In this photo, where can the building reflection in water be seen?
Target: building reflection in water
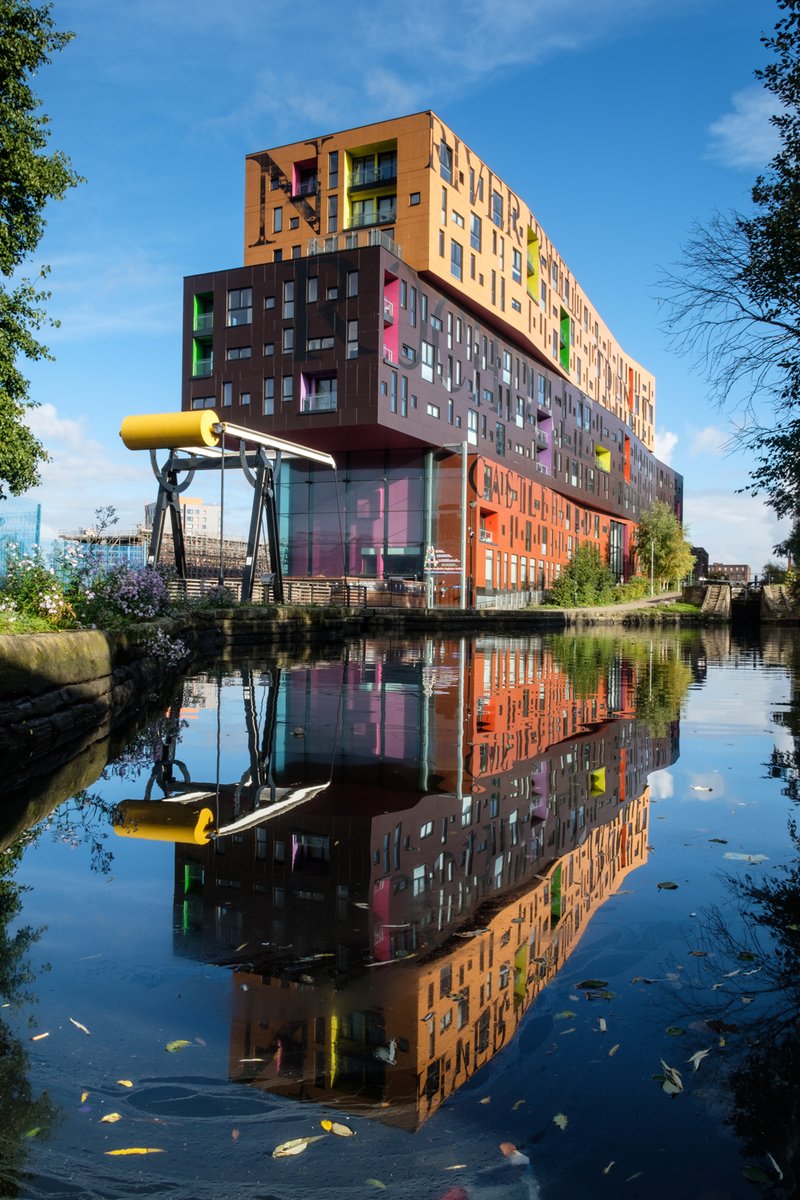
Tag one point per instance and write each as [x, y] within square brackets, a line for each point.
[412, 854]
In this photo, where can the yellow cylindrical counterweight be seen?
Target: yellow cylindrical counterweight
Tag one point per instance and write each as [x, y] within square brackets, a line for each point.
[166, 431]
[160, 821]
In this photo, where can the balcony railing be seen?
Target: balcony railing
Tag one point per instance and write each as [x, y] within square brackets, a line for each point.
[384, 216]
[306, 187]
[325, 402]
[541, 468]
[484, 536]
[202, 366]
[352, 241]
[387, 354]
[540, 437]
[366, 175]
[204, 322]
[388, 311]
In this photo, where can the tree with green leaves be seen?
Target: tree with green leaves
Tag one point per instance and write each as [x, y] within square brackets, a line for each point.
[733, 300]
[661, 541]
[29, 177]
[585, 580]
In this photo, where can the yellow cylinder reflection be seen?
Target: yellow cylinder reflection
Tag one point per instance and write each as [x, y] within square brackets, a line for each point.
[165, 431]
[160, 821]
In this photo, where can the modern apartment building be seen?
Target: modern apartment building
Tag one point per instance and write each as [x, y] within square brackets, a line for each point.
[400, 307]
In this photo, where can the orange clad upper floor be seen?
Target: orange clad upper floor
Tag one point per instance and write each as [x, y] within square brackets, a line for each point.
[455, 222]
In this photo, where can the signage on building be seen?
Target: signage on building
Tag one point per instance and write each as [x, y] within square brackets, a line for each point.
[439, 562]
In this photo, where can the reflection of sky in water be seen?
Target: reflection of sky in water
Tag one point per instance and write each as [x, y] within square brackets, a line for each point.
[111, 945]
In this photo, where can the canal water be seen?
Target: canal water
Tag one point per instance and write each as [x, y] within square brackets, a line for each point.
[456, 919]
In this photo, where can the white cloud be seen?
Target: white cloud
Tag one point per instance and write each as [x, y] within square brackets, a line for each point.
[745, 137]
[95, 294]
[732, 528]
[709, 440]
[665, 443]
[662, 785]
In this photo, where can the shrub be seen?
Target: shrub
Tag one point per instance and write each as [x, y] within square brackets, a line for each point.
[584, 581]
[33, 589]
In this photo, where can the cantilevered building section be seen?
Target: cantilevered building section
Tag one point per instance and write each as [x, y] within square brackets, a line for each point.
[401, 307]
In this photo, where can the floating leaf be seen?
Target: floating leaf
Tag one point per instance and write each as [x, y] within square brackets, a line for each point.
[235, 1134]
[514, 1157]
[778, 1171]
[179, 1044]
[608, 1168]
[746, 956]
[602, 1025]
[32, 1133]
[110, 1118]
[517, 1104]
[756, 1175]
[667, 886]
[672, 1083]
[699, 953]
[675, 1030]
[561, 1120]
[136, 1150]
[485, 1100]
[82, 1028]
[564, 1032]
[636, 1175]
[84, 1097]
[337, 1128]
[697, 1058]
[37, 1037]
[592, 984]
[296, 1145]
[565, 1015]
[125, 1082]
[614, 1049]
[376, 1182]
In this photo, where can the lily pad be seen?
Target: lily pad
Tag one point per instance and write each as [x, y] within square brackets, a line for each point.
[591, 984]
[667, 886]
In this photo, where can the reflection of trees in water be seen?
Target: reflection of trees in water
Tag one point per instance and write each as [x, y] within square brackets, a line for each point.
[24, 1115]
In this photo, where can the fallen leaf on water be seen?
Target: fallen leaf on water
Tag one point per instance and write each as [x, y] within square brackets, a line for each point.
[37, 1037]
[608, 1168]
[136, 1150]
[31, 1133]
[564, 1032]
[675, 1030]
[296, 1145]
[514, 1157]
[756, 1175]
[614, 1049]
[516, 1105]
[375, 1182]
[746, 999]
[672, 1083]
[746, 956]
[82, 1028]
[591, 984]
[235, 1134]
[667, 886]
[749, 858]
[485, 1100]
[730, 974]
[699, 953]
[631, 1178]
[778, 1171]
[565, 1015]
[337, 1128]
[84, 1097]
[200, 1042]
[697, 1058]
[561, 1120]
[125, 1082]
[110, 1118]
[456, 1167]
[716, 986]
[178, 1044]
[602, 1024]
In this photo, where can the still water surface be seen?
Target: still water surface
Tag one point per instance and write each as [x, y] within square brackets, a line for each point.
[418, 889]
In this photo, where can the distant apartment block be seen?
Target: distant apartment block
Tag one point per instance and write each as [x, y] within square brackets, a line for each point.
[403, 309]
[733, 572]
[20, 526]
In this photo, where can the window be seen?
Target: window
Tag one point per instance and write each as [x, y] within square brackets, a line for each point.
[446, 161]
[204, 402]
[227, 395]
[269, 302]
[352, 339]
[414, 198]
[332, 293]
[457, 219]
[320, 394]
[423, 307]
[288, 339]
[244, 399]
[497, 209]
[409, 352]
[320, 343]
[269, 397]
[286, 388]
[277, 219]
[294, 222]
[311, 289]
[333, 213]
[235, 352]
[288, 298]
[516, 266]
[333, 168]
[474, 231]
[296, 251]
[277, 256]
[500, 439]
[269, 349]
[352, 283]
[428, 359]
[433, 411]
[240, 306]
[456, 260]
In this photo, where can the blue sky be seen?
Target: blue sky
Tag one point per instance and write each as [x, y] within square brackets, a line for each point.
[621, 122]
